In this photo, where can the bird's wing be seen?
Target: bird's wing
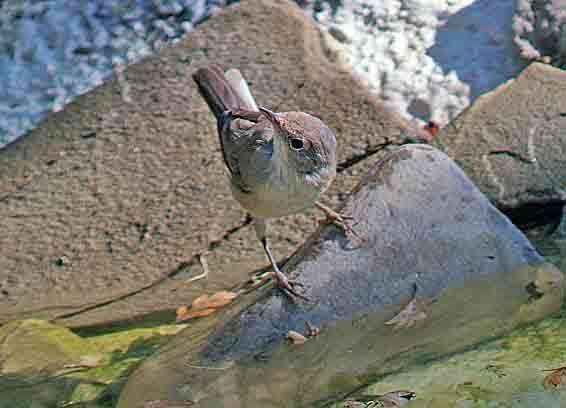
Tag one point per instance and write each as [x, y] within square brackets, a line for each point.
[245, 139]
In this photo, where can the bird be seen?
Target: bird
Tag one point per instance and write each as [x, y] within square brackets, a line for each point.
[279, 163]
[389, 400]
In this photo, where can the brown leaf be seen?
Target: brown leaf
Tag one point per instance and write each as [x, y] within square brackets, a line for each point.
[200, 302]
[205, 305]
[221, 298]
[555, 378]
[296, 337]
[409, 316]
[187, 314]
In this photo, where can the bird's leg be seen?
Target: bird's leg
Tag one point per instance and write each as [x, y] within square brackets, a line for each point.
[282, 281]
[341, 221]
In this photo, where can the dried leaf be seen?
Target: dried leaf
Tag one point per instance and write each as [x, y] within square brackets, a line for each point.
[221, 298]
[432, 129]
[555, 378]
[312, 330]
[409, 316]
[200, 302]
[85, 362]
[205, 305]
[296, 337]
[187, 314]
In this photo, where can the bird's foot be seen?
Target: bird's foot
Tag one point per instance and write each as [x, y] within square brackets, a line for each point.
[288, 286]
[341, 221]
[285, 284]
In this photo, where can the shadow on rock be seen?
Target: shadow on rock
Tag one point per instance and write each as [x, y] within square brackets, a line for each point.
[423, 224]
[489, 57]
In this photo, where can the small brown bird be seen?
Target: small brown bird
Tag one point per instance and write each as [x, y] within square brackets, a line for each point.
[279, 163]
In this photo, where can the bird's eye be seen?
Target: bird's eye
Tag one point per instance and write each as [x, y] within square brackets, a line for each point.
[297, 144]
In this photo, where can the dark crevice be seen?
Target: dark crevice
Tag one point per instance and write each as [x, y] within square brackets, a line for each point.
[533, 215]
[180, 268]
[371, 150]
[510, 153]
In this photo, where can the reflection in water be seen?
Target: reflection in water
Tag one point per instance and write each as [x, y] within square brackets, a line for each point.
[346, 355]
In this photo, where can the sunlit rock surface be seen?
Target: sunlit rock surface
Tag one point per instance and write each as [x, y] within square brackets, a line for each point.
[108, 205]
[512, 144]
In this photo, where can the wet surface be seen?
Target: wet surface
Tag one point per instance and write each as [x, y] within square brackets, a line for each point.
[423, 223]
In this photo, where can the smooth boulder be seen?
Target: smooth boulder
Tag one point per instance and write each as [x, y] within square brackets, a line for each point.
[421, 222]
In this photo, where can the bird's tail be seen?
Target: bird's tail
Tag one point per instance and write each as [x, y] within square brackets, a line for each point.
[224, 91]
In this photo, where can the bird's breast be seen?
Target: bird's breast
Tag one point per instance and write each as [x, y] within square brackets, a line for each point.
[283, 195]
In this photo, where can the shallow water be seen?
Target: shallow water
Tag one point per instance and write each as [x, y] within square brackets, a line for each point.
[345, 356]
[504, 373]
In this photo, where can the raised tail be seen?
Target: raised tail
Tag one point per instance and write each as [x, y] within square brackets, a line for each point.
[224, 91]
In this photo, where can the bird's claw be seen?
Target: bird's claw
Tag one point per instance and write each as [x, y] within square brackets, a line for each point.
[287, 286]
[340, 220]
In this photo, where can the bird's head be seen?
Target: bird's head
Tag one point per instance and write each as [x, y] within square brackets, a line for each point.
[303, 143]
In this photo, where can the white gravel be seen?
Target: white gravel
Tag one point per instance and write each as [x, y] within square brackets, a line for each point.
[53, 50]
[425, 58]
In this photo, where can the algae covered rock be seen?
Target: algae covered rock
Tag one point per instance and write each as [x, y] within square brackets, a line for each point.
[505, 373]
[421, 223]
[46, 365]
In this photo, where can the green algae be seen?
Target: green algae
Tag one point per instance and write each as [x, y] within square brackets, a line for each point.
[42, 364]
[507, 372]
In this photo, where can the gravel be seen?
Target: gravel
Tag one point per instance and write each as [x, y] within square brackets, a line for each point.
[53, 51]
[427, 59]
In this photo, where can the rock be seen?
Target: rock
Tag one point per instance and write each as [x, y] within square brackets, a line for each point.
[422, 223]
[502, 373]
[108, 204]
[45, 365]
[512, 144]
[539, 27]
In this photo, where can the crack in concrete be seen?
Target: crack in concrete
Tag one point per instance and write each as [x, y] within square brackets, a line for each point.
[177, 270]
[516, 155]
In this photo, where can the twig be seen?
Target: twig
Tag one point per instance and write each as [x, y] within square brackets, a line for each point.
[204, 264]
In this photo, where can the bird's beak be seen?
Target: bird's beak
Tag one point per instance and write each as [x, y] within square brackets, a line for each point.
[271, 116]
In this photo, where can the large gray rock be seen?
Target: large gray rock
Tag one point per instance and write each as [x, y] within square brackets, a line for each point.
[512, 144]
[422, 222]
[539, 27]
[108, 204]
